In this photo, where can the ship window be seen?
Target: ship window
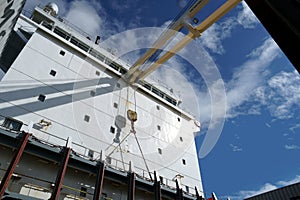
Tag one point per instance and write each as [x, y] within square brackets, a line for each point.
[52, 72]
[123, 71]
[158, 127]
[97, 54]
[97, 73]
[148, 86]
[12, 124]
[183, 162]
[41, 97]
[61, 33]
[159, 150]
[112, 129]
[157, 107]
[83, 46]
[83, 192]
[62, 52]
[157, 92]
[115, 105]
[86, 118]
[92, 93]
[115, 66]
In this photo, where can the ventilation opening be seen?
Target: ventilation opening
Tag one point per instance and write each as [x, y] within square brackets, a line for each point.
[181, 139]
[41, 97]
[158, 127]
[115, 105]
[112, 129]
[183, 162]
[92, 93]
[62, 52]
[86, 118]
[52, 72]
[12, 124]
[159, 150]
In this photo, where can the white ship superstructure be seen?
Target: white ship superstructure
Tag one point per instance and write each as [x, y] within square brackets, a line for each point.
[68, 93]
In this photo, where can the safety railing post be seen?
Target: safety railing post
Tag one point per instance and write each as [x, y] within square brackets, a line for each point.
[15, 160]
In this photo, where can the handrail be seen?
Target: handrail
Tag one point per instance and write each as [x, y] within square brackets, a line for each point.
[109, 161]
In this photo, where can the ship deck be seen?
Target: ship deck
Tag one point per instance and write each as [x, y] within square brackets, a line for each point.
[53, 156]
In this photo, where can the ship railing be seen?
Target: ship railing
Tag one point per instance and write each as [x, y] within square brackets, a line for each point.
[144, 174]
[36, 187]
[92, 155]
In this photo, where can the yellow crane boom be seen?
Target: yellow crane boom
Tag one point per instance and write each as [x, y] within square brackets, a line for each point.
[135, 73]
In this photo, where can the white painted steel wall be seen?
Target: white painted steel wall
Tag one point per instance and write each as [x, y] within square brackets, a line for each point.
[69, 100]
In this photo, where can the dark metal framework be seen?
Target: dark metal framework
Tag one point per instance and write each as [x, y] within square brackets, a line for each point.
[69, 159]
[281, 20]
[61, 174]
[99, 181]
[15, 160]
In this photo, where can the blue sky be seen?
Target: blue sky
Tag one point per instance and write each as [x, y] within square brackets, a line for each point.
[259, 145]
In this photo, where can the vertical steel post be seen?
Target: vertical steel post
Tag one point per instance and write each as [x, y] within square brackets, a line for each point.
[131, 186]
[16, 158]
[99, 181]
[179, 192]
[157, 190]
[198, 196]
[61, 174]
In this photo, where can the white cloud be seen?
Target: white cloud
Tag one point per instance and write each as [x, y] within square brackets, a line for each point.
[250, 76]
[86, 15]
[249, 193]
[235, 148]
[246, 18]
[123, 6]
[31, 4]
[289, 182]
[291, 147]
[213, 37]
[268, 125]
[293, 128]
[265, 188]
[281, 95]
